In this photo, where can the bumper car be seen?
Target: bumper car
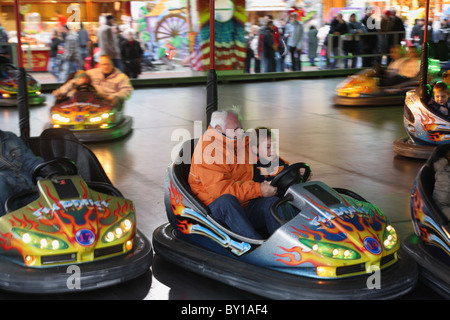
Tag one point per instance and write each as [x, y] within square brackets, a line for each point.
[426, 128]
[362, 89]
[74, 231]
[430, 244]
[331, 249]
[8, 87]
[90, 117]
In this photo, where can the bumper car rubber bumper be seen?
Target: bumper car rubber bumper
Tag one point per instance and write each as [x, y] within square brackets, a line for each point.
[92, 275]
[434, 272]
[97, 135]
[31, 101]
[395, 280]
[369, 101]
[406, 147]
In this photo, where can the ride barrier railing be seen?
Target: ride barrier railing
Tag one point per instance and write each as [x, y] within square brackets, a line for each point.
[361, 38]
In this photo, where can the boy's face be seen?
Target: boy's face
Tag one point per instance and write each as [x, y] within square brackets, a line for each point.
[441, 96]
[267, 149]
[83, 80]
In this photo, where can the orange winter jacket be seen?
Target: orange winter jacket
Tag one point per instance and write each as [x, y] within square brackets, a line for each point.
[222, 166]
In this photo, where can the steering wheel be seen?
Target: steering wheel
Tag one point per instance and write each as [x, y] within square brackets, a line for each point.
[56, 166]
[86, 87]
[286, 178]
[289, 176]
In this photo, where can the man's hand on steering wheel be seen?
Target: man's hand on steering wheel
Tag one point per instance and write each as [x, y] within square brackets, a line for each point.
[268, 190]
[291, 175]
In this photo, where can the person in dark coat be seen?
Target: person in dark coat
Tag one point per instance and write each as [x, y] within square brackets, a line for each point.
[397, 26]
[54, 61]
[337, 27]
[269, 47]
[131, 53]
[369, 43]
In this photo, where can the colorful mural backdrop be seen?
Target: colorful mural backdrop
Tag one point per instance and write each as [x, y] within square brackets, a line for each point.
[229, 35]
[164, 23]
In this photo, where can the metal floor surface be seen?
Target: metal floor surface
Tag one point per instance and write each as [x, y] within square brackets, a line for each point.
[346, 147]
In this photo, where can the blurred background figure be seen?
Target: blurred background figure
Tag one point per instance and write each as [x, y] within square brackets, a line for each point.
[131, 52]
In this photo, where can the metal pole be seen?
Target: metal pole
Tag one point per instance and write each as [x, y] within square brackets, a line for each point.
[424, 63]
[22, 90]
[211, 81]
[18, 30]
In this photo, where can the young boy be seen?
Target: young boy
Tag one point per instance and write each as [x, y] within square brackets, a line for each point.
[70, 87]
[269, 164]
[440, 101]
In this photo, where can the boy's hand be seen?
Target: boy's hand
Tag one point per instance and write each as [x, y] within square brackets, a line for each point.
[268, 190]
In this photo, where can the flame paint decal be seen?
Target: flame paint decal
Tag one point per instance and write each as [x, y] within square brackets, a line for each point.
[201, 225]
[61, 220]
[429, 231]
[357, 226]
[427, 127]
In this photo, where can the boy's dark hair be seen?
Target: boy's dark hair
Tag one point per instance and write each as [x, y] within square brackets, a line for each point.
[258, 133]
[441, 86]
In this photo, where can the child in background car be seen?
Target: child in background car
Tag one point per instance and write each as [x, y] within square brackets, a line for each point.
[440, 101]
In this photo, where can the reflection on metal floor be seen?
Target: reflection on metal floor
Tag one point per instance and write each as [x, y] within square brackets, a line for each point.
[345, 147]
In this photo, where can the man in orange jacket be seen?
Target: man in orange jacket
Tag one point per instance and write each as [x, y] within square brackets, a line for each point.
[221, 177]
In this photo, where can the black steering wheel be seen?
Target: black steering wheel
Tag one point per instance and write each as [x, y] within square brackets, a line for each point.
[56, 166]
[86, 87]
[286, 178]
[289, 176]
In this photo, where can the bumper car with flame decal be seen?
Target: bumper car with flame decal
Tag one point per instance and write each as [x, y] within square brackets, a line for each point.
[8, 87]
[362, 89]
[329, 250]
[426, 129]
[68, 233]
[430, 244]
[90, 117]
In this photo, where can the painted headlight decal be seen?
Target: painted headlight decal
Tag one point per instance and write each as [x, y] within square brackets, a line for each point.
[330, 250]
[60, 118]
[390, 237]
[119, 229]
[40, 240]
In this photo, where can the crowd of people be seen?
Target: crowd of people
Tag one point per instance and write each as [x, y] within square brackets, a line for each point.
[69, 49]
[270, 43]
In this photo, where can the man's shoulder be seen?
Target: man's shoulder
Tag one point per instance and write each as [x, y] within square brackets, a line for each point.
[94, 72]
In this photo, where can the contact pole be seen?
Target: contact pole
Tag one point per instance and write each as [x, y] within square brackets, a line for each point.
[22, 90]
[211, 81]
[424, 63]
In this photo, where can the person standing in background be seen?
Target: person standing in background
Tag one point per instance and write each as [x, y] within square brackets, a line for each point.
[71, 56]
[369, 43]
[108, 42]
[54, 61]
[83, 38]
[131, 52]
[294, 35]
[313, 43]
